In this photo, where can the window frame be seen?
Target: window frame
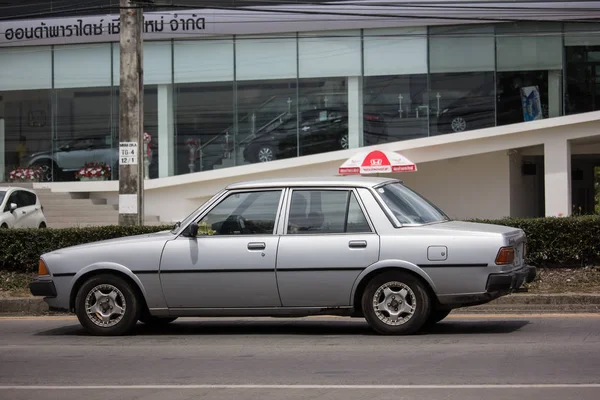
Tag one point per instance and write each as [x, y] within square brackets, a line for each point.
[199, 216]
[350, 190]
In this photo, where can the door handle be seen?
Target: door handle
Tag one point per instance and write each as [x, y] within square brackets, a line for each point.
[256, 246]
[357, 244]
[23, 212]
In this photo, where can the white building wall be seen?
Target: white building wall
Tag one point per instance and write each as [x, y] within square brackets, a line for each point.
[465, 187]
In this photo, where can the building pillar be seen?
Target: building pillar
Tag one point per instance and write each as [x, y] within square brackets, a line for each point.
[554, 93]
[355, 112]
[166, 132]
[557, 177]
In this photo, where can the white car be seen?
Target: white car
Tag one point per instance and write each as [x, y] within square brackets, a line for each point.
[20, 208]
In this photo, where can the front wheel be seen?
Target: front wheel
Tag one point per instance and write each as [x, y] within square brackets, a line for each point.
[265, 153]
[396, 303]
[107, 305]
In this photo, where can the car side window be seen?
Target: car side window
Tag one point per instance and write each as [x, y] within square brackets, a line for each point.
[326, 211]
[245, 213]
[13, 198]
[26, 199]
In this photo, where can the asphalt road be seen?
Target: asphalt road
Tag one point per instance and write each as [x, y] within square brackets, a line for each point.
[464, 357]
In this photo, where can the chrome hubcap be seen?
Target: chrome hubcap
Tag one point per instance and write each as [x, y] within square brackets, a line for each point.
[394, 303]
[105, 305]
[459, 124]
[265, 154]
[344, 142]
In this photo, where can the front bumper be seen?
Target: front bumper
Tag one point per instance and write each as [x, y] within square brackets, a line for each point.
[40, 287]
[509, 281]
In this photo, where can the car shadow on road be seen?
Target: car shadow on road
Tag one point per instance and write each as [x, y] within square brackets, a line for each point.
[348, 327]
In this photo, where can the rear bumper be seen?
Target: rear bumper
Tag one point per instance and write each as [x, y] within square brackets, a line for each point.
[509, 281]
[497, 286]
[43, 288]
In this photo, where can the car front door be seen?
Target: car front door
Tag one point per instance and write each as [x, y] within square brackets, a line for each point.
[231, 263]
[15, 218]
[328, 242]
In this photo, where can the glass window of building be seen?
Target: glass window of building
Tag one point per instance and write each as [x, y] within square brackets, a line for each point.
[25, 106]
[330, 87]
[267, 98]
[395, 85]
[203, 104]
[582, 67]
[461, 62]
[529, 77]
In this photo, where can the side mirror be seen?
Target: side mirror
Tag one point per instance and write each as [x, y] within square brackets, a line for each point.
[13, 207]
[193, 229]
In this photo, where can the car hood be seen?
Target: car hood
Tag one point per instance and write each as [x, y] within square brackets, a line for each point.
[126, 240]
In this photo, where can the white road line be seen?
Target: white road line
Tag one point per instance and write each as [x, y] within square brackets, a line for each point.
[266, 387]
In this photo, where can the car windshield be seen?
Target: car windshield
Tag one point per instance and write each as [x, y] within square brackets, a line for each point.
[409, 207]
[2, 194]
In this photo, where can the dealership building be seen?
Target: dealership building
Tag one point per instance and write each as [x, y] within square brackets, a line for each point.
[494, 101]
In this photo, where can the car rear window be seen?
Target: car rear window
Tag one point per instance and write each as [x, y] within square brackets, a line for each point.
[408, 206]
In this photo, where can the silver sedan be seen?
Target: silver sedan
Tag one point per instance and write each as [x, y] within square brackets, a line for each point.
[349, 246]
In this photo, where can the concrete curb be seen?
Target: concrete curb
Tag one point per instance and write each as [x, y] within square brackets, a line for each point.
[522, 303]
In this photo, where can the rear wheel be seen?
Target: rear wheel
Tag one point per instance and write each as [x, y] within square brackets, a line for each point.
[3, 226]
[42, 225]
[107, 305]
[396, 303]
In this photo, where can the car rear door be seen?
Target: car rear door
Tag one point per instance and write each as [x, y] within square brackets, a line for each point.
[328, 242]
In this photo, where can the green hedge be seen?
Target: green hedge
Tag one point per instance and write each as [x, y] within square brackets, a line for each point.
[552, 242]
[20, 249]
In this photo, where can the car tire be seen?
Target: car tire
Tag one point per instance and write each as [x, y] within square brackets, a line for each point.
[458, 124]
[42, 225]
[344, 142]
[49, 169]
[3, 226]
[396, 303]
[265, 153]
[153, 321]
[113, 291]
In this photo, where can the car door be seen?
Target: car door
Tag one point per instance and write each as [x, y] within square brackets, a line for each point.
[327, 243]
[14, 219]
[76, 154]
[30, 210]
[233, 266]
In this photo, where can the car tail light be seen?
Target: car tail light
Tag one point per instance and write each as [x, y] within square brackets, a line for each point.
[42, 268]
[371, 117]
[506, 255]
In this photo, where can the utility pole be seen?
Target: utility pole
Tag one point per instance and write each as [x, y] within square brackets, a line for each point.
[131, 115]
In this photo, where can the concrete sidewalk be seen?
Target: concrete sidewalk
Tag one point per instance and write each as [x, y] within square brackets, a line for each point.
[522, 302]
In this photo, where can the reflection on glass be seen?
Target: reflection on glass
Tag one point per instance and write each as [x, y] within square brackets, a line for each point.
[267, 112]
[408, 206]
[513, 88]
[461, 102]
[582, 79]
[83, 133]
[204, 126]
[27, 131]
[323, 122]
[395, 108]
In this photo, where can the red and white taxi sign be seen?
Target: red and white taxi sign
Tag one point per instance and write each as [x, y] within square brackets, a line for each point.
[376, 161]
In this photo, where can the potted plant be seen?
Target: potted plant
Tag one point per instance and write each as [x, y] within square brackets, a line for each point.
[94, 172]
[29, 174]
